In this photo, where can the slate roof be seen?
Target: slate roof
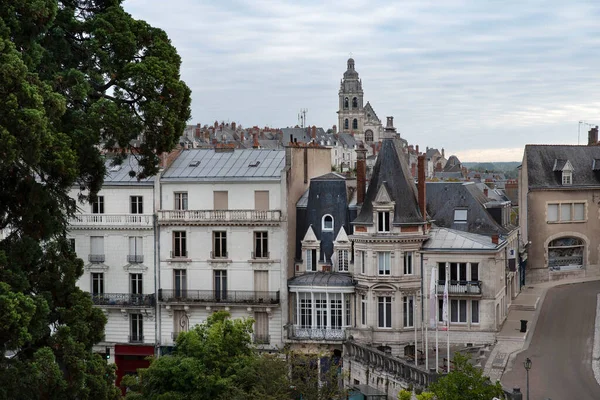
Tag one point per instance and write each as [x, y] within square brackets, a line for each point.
[444, 197]
[328, 279]
[119, 175]
[392, 169]
[330, 176]
[541, 159]
[451, 239]
[226, 165]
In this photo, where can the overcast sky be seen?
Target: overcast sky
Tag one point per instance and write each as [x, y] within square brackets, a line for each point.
[478, 78]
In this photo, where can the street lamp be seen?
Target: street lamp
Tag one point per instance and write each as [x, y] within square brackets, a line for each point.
[527, 365]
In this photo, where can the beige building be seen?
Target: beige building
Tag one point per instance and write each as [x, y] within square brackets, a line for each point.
[559, 197]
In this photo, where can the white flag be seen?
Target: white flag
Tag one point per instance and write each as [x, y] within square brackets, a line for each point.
[432, 298]
[445, 306]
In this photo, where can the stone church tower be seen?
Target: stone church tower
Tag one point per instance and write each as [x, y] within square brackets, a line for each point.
[353, 116]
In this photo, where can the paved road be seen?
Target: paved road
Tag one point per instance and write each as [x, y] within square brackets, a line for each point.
[561, 347]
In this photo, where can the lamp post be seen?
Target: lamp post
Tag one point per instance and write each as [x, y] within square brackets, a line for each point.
[527, 365]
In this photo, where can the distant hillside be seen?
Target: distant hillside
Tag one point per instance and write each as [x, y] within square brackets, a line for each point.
[508, 168]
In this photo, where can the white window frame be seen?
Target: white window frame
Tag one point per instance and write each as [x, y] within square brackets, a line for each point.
[343, 260]
[383, 221]
[567, 178]
[560, 210]
[325, 228]
[363, 310]
[409, 257]
[136, 204]
[408, 308]
[458, 303]
[461, 215]
[478, 312]
[179, 251]
[181, 201]
[384, 263]
[312, 265]
[383, 302]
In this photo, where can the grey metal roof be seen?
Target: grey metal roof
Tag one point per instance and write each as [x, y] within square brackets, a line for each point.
[328, 279]
[303, 201]
[451, 239]
[226, 165]
[119, 174]
[541, 159]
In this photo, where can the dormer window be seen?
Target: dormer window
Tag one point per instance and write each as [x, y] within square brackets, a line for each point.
[460, 215]
[311, 260]
[383, 221]
[327, 223]
[567, 177]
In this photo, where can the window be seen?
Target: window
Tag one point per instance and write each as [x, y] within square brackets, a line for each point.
[363, 310]
[383, 262]
[136, 328]
[475, 311]
[179, 244]
[369, 136]
[180, 283]
[72, 243]
[354, 102]
[408, 263]
[98, 205]
[348, 310]
[320, 310]
[221, 200]
[220, 284]
[383, 221]
[261, 327]
[408, 308]
[354, 123]
[311, 260]
[565, 252]
[474, 272]
[305, 310]
[384, 311]
[342, 260]
[567, 177]
[181, 200]
[327, 223]
[361, 260]
[345, 103]
[335, 305]
[346, 125]
[136, 204]
[460, 215]
[135, 283]
[261, 245]
[97, 283]
[219, 244]
[261, 200]
[136, 251]
[97, 249]
[458, 311]
[566, 212]
[458, 272]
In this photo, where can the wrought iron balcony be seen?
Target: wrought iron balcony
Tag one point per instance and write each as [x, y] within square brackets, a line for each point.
[463, 288]
[135, 258]
[220, 217]
[261, 339]
[96, 258]
[218, 296]
[123, 300]
[295, 332]
[136, 339]
[82, 221]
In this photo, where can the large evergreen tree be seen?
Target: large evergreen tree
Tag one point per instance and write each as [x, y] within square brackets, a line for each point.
[76, 77]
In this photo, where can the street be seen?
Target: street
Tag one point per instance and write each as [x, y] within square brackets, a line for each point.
[561, 347]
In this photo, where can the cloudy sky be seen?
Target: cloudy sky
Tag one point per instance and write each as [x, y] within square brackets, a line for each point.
[478, 78]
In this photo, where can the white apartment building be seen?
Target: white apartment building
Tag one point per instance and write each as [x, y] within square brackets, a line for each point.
[222, 239]
[115, 238]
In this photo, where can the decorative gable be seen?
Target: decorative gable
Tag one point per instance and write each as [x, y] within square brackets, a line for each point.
[310, 237]
[342, 237]
[383, 196]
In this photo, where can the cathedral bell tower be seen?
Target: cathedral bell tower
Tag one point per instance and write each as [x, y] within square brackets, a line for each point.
[350, 112]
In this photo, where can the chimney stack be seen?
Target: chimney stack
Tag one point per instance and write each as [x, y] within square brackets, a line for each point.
[485, 192]
[593, 136]
[255, 144]
[313, 133]
[417, 149]
[334, 129]
[361, 173]
[495, 239]
[443, 155]
[421, 186]
[233, 126]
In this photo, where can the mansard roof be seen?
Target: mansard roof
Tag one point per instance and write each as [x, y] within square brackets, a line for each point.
[545, 162]
[392, 171]
[451, 239]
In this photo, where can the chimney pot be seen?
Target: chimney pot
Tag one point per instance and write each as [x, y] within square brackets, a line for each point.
[495, 239]
[361, 173]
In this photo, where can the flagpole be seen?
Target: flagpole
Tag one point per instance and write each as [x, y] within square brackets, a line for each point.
[448, 317]
[426, 333]
[437, 336]
[415, 324]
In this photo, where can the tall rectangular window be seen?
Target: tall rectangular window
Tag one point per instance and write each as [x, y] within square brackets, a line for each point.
[97, 283]
[98, 205]
[383, 221]
[320, 310]
[220, 284]
[384, 262]
[261, 200]
[361, 260]
[342, 260]
[96, 249]
[136, 328]
[305, 310]
[408, 309]
[261, 327]
[136, 204]
[180, 283]
[363, 310]
[219, 244]
[220, 200]
[474, 272]
[335, 305]
[408, 263]
[458, 311]
[181, 200]
[475, 311]
[261, 245]
[136, 251]
[384, 311]
[311, 260]
[442, 272]
[135, 284]
[179, 244]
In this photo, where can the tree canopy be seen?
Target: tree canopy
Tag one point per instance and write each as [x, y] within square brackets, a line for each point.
[77, 78]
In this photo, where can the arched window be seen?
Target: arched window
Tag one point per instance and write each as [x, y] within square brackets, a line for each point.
[565, 253]
[369, 136]
[354, 102]
[345, 103]
[327, 223]
[354, 123]
[346, 123]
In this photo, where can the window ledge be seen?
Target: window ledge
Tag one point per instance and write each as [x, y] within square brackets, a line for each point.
[219, 260]
[179, 259]
[566, 222]
[262, 261]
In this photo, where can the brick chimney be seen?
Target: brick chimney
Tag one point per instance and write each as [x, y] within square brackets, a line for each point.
[413, 170]
[417, 149]
[593, 136]
[495, 239]
[421, 187]
[313, 132]
[334, 129]
[361, 173]
[443, 155]
[242, 136]
[255, 144]
[233, 126]
[485, 192]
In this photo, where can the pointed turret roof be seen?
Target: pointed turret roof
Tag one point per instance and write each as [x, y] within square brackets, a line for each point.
[392, 171]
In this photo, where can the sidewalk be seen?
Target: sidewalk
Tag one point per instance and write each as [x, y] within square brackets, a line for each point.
[510, 341]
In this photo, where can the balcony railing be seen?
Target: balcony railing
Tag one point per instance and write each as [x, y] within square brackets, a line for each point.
[265, 255]
[96, 258]
[135, 258]
[217, 255]
[124, 300]
[261, 339]
[219, 216]
[297, 333]
[461, 287]
[136, 339]
[100, 220]
[216, 296]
